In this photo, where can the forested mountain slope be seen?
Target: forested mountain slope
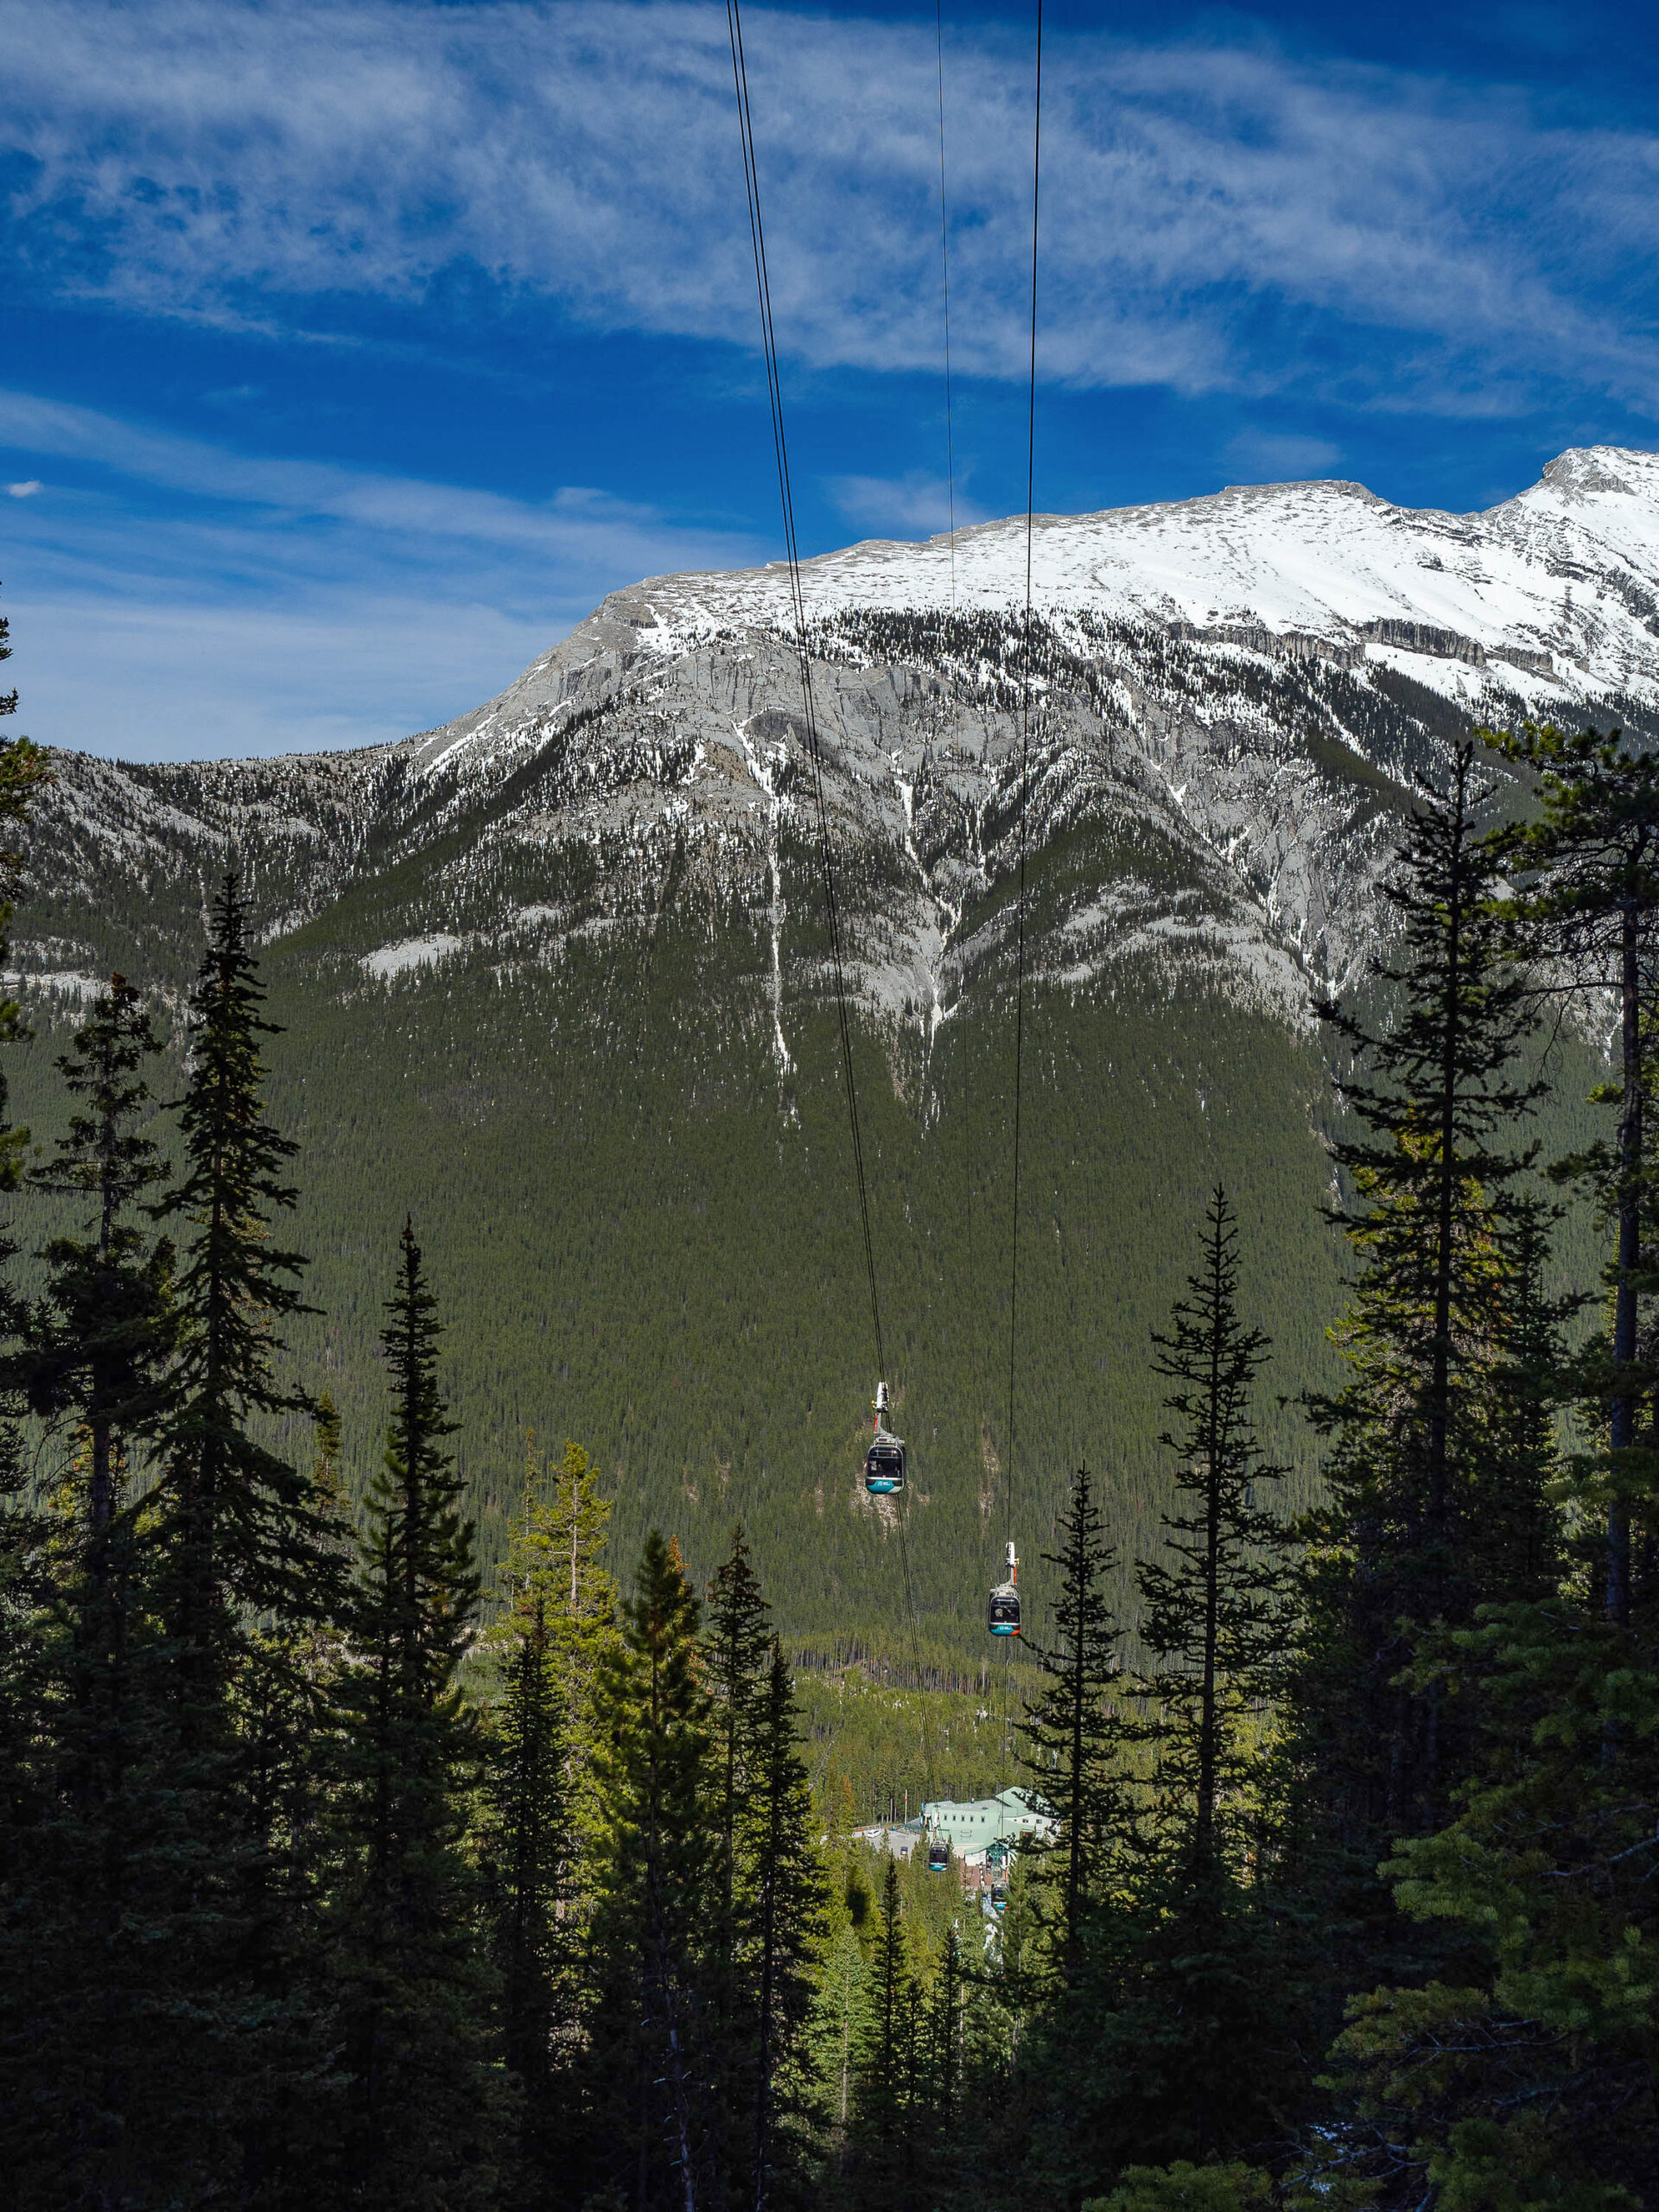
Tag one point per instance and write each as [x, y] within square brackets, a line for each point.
[555, 978]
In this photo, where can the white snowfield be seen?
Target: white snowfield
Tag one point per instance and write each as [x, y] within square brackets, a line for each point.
[1562, 582]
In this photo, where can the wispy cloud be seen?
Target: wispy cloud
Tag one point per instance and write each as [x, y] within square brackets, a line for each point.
[1280, 456]
[1206, 204]
[185, 598]
[913, 506]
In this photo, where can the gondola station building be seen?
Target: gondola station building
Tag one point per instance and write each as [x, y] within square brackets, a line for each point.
[972, 1830]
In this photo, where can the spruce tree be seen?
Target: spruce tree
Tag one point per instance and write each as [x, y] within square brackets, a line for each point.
[420, 2119]
[656, 1876]
[787, 1917]
[1592, 902]
[188, 1966]
[883, 2120]
[101, 1337]
[1527, 2077]
[25, 770]
[1073, 1735]
[96, 1343]
[557, 1556]
[736, 1647]
[1412, 1467]
[1214, 1610]
[528, 1850]
[240, 1531]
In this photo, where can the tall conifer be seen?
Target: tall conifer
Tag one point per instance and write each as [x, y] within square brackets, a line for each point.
[1073, 1734]
[419, 2115]
[528, 1849]
[1591, 901]
[1214, 1613]
[657, 1877]
[1411, 1466]
[241, 1531]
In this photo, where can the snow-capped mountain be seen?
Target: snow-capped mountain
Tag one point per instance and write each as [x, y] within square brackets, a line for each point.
[556, 974]
[1252, 675]
[1560, 583]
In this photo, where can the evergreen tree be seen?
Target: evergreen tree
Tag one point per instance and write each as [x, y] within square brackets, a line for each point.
[656, 1877]
[786, 1913]
[1529, 2078]
[241, 1532]
[1411, 1466]
[25, 769]
[96, 1347]
[527, 1849]
[420, 2119]
[1073, 1736]
[736, 1648]
[1592, 860]
[945, 2039]
[1214, 1613]
[98, 1344]
[884, 2115]
[558, 1557]
[173, 2030]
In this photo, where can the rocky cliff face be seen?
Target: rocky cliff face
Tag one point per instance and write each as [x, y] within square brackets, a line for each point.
[1243, 684]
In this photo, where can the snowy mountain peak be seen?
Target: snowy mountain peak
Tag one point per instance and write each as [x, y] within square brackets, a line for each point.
[1560, 584]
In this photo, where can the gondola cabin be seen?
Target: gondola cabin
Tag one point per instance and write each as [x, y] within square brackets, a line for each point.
[884, 1463]
[938, 1855]
[999, 1896]
[1003, 1615]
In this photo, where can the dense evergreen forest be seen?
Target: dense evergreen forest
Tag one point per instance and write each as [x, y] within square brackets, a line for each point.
[335, 1873]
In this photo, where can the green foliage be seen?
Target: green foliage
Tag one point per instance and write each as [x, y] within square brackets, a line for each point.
[419, 2121]
[1183, 2187]
[655, 1875]
[1532, 2086]
[1072, 1737]
[1590, 864]
[1214, 1614]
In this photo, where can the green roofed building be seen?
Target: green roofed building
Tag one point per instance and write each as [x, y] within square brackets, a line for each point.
[972, 1828]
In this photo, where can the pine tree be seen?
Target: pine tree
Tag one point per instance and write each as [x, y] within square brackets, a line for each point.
[558, 1557]
[1412, 1464]
[1073, 1735]
[420, 2117]
[884, 2116]
[98, 1344]
[25, 770]
[528, 1849]
[1593, 903]
[736, 1647]
[175, 2032]
[1214, 1614]
[787, 1920]
[656, 1878]
[1528, 2078]
[241, 1531]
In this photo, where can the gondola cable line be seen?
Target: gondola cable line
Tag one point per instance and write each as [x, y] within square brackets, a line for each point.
[887, 1453]
[1004, 1610]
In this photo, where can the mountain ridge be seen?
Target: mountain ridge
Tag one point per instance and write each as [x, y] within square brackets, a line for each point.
[556, 976]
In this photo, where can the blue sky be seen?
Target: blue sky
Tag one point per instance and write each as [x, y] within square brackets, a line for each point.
[351, 351]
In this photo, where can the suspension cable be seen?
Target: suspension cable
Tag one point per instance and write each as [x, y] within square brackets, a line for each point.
[944, 257]
[1024, 792]
[815, 755]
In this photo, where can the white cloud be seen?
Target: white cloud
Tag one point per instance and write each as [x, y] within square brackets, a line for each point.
[1281, 457]
[229, 161]
[285, 605]
[914, 505]
[26, 491]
